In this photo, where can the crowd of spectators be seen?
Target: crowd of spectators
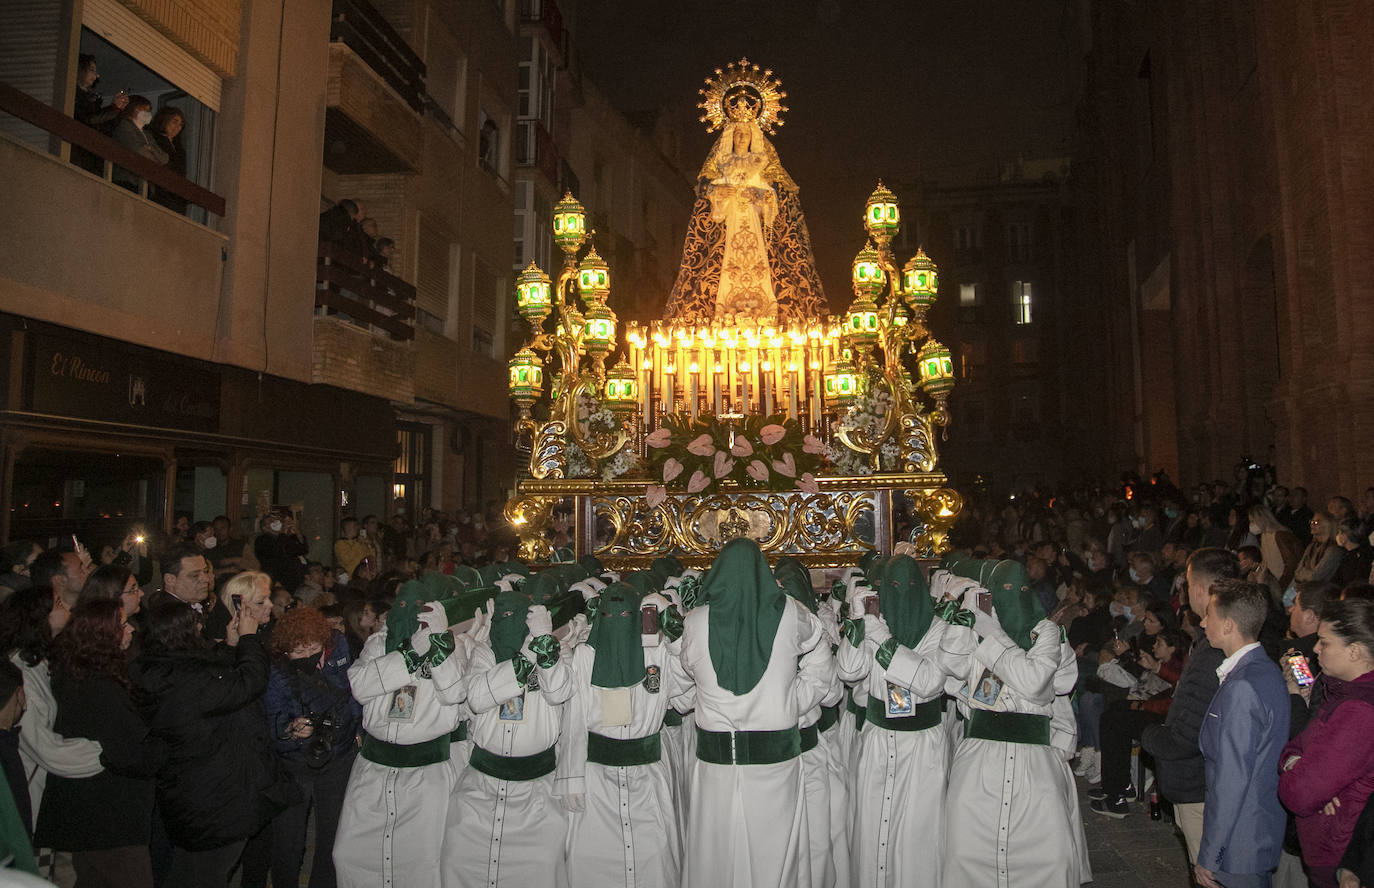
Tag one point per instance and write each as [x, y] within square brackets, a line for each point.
[1129, 572]
[175, 710]
[347, 225]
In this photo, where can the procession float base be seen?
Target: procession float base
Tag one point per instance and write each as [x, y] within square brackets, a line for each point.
[832, 527]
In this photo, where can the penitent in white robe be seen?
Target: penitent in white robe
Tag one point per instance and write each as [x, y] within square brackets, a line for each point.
[628, 835]
[510, 832]
[393, 818]
[899, 787]
[747, 823]
[1013, 817]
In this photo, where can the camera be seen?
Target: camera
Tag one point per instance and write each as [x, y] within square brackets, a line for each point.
[320, 748]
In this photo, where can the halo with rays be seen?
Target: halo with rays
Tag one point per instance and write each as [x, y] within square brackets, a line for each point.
[742, 91]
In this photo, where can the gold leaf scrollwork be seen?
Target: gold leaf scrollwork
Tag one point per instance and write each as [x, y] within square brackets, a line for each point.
[528, 516]
[938, 510]
[549, 451]
[916, 443]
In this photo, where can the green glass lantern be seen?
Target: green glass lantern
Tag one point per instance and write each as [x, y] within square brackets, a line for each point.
[841, 385]
[936, 368]
[526, 378]
[868, 275]
[882, 218]
[593, 278]
[622, 389]
[569, 224]
[861, 323]
[920, 280]
[532, 294]
[598, 330]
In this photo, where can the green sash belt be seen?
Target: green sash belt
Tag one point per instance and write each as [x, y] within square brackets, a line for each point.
[460, 733]
[1008, 727]
[748, 747]
[829, 716]
[513, 767]
[672, 719]
[857, 711]
[405, 755]
[623, 753]
[810, 738]
[923, 715]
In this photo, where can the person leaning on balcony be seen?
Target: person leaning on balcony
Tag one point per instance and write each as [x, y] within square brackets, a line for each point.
[89, 108]
[337, 221]
[132, 133]
[166, 133]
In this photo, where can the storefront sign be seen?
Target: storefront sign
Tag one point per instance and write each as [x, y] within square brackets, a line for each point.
[107, 381]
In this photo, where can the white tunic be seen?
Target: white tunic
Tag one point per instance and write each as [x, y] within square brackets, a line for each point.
[629, 832]
[816, 771]
[510, 832]
[41, 749]
[393, 818]
[1012, 817]
[747, 823]
[898, 814]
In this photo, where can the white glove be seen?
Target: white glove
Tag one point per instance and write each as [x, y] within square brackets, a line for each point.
[850, 572]
[504, 585]
[578, 631]
[479, 628]
[610, 576]
[875, 629]
[830, 620]
[539, 621]
[850, 582]
[856, 601]
[575, 802]
[657, 600]
[690, 572]
[514, 579]
[432, 618]
[986, 624]
[590, 588]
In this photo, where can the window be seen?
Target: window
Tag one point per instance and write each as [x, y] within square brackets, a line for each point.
[489, 144]
[446, 75]
[435, 275]
[487, 300]
[968, 295]
[533, 230]
[1021, 301]
[1025, 350]
[1019, 242]
[411, 481]
[973, 357]
[536, 82]
[965, 237]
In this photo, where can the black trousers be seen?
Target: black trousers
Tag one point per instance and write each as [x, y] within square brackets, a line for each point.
[1119, 728]
[280, 847]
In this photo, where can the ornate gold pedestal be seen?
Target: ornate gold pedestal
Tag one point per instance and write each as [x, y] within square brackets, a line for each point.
[848, 517]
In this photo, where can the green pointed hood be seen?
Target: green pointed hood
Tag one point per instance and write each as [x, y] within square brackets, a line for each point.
[796, 581]
[1018, 609]
[508, 629]
[745, 608]
[403, 618]
[615, 636]
[664, 567]
[591, 566]
[866, 560]
[904, 601]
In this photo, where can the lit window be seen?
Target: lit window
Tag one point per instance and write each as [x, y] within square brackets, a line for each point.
[1021, 301]
[968, 294]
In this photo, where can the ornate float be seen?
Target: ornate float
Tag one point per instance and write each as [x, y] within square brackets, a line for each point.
[748, 410]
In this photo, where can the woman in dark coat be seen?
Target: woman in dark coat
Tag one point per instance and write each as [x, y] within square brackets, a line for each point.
[220, 784]
[166, 132]
[105, 820]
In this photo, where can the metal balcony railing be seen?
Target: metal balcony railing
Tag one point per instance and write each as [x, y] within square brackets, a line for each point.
[364, 30]
[534, 148]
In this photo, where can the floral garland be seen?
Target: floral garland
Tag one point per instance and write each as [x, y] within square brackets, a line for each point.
[867, 414]
[596, 420]
[762, 453]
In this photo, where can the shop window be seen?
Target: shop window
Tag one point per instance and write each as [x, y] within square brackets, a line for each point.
[98, 497]
[201, 491]
[308, 494]
[411, 483]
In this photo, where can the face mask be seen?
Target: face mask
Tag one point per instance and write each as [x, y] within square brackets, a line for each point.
[274, 526]
[1171, 513]
[1254, 528]
[1117, 609]
[1135, 575]
[305, 664]
[209, 542]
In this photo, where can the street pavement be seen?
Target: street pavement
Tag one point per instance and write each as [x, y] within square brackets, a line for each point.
[1134, 852]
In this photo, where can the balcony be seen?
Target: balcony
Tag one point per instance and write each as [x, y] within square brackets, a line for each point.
[367, 297]
[84, 252]
[363, 327]
[534, 149]
[375, 95]
[546, 14]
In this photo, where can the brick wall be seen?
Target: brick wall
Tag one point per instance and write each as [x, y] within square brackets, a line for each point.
[353, 358]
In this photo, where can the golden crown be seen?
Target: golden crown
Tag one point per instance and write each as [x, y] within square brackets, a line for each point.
[742, 91]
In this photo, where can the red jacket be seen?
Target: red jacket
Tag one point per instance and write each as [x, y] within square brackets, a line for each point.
[1170, 672]
[1336, 752]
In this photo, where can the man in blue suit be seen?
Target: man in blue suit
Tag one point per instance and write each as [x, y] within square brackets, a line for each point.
[1242, 735]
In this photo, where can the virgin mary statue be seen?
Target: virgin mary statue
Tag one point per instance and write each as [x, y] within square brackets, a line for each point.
[747, 254]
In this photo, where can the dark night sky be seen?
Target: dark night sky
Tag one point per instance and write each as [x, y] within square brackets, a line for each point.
[893, 90]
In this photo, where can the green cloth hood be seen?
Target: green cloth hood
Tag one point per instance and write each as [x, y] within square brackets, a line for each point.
[1018, 609]
[615, 636]
[745, 608]
[904, 601]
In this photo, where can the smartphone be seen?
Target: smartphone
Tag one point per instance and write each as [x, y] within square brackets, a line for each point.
[1302, 672]
[648, 620]
[238, 602]
[985, 602]
[139, 538]
[871, 605]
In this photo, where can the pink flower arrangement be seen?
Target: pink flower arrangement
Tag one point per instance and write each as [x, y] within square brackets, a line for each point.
[812, 444]
[655, 495]
[659, 438]
[772, 434]
[702, 445]
[698, 482]
[671, 469]
[807, 483]
[742, 447]
[786, 466]
[757, 470]
[724, 464]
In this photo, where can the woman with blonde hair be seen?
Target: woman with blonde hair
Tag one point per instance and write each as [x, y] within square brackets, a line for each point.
[1323, 557]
